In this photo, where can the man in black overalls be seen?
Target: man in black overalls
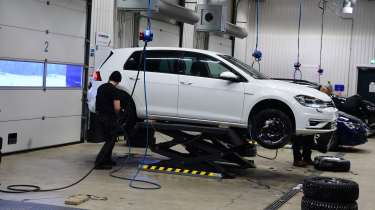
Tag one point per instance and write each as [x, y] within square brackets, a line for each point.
[107, 108]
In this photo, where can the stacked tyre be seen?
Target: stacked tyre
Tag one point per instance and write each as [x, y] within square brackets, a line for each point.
[328, 193]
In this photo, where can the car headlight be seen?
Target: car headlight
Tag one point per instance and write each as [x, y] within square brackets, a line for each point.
[352, 125]
[311, 101]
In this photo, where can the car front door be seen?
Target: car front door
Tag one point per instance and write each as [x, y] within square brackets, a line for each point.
[161, 82]
[203, 95]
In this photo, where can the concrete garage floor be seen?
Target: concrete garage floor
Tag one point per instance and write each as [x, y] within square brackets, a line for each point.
[254, 189]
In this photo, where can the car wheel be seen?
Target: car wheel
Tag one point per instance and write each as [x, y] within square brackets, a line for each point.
[331, 163]
[271, 128]
[128, 117]
[331, 189]
[310, 204]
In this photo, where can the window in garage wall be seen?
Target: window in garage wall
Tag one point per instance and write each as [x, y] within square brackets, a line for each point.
[64, 75]
[31, 74]
[21, 73]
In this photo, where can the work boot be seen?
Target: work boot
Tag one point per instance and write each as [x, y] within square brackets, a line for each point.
[300, 163]
[104, 166]
[309, 161]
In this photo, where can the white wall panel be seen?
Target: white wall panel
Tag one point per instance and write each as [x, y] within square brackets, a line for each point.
[220, 44]
[188, 32]
[40, 133]
[27, 22]
[124, 30]
[31, 50]
[363, 40]
[165, 34]
[23, 25]
[102, 20]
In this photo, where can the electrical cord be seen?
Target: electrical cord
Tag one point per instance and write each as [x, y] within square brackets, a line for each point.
[269, 158]
[26, 188]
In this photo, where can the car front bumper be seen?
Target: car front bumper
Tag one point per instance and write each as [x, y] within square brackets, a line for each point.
[315, 120]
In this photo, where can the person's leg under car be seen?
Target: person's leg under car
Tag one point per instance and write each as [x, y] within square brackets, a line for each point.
[104, 158]
[307, 149]
[297, 144]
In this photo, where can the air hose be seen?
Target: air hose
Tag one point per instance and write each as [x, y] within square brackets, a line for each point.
[297, 65]
[257, 54]
[323, 8]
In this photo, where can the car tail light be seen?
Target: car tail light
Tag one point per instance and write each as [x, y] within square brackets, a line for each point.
[96, 76]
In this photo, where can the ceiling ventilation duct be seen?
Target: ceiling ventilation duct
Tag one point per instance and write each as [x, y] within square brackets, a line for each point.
[160, 8]
[213, 18]
[236, 31]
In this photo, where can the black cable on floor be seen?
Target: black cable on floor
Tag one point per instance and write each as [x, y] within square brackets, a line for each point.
[133, 179]
[26, 188]
[268, 158]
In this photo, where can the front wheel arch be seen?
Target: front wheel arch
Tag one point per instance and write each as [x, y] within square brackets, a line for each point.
[272, 104]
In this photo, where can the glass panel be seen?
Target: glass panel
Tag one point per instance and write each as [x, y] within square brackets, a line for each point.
[21, 73]
[64, 75]
[216, 68]
[162, 61]
[195, 64]
[244, 67]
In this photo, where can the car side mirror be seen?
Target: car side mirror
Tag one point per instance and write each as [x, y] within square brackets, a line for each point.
[230, 76]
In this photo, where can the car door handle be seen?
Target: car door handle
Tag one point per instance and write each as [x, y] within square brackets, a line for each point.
[186, 83]
[133, 78]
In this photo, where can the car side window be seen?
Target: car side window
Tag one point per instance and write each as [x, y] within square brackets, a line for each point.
[196, 64]
[133, 61]
[157, 61]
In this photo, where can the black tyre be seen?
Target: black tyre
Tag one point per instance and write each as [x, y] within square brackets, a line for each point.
[310, 204]
[128, 115]
[271, 128]
[331, 189]
[331, 163]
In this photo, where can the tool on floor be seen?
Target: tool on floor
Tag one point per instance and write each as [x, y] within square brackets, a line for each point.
[81, 198]
[285, 198]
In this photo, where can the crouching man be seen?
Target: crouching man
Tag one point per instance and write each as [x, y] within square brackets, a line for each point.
[107, 109]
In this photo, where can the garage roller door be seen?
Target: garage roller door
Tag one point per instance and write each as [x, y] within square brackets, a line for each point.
[165, 34]
[41, 66]
[220, 44]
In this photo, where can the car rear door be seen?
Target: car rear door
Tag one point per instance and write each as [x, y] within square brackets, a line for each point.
[161, 82]
[203, 95]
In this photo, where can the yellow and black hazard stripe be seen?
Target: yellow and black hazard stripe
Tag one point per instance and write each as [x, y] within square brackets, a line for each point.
[181, 171]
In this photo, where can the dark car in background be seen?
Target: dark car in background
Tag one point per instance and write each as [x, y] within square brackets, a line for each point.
[355, 119]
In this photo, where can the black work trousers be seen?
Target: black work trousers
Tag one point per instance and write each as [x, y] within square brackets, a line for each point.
[304, 144]
[106, 128]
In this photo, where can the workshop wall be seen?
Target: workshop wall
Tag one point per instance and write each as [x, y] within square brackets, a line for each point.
[41, 66]
[278, 40]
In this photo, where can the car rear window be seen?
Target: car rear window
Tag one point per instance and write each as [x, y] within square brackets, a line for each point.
[161, 61]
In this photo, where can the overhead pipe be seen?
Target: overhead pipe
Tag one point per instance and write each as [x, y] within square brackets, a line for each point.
[235, 30]
[178, 13]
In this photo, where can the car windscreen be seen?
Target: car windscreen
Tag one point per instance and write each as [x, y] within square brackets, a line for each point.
[243, 66]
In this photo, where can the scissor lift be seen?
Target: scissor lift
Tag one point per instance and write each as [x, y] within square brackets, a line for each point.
[213, 151]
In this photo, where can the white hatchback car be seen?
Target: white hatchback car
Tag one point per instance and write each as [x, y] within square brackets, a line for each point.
[203, 87]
